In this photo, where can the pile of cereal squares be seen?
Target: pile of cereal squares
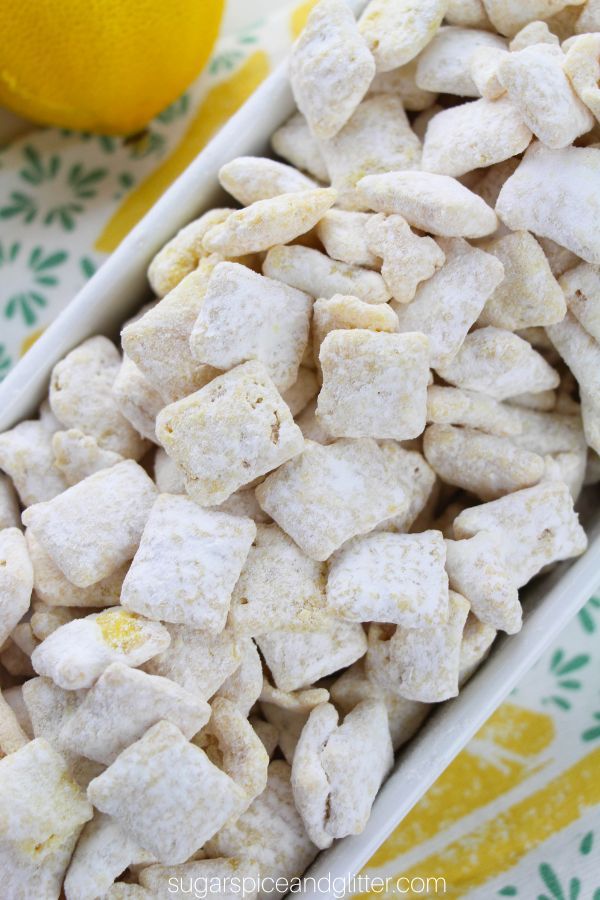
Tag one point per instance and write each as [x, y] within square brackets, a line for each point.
[294, 512]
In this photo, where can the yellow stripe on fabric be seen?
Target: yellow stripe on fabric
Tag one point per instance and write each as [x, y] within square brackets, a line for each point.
[498, 845]
[299, 16]
[513, 737]
[217, 107]
[30, 339]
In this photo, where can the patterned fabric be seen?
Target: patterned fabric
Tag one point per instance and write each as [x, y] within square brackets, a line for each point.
[67, 199]
[517, 814]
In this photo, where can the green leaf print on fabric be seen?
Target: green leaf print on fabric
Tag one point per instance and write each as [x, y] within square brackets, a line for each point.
[79, 185]
[87, 266]
[589, 616]
[84, 184]
[593, 733]
[587, 843]
[9, 254]
[19, 205]
[41, 268]
[25, 303]
[227, 60]
[39, 264]
[560, 668]
[36, 170]
[552, 882]
[125, 181]
[105, 142]
[175, 110]
[5, 362]
[146, 143]
[64, 214]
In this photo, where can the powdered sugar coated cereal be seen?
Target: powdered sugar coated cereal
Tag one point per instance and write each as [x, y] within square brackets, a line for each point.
[472, 135]
[397, 578]
[103, 516]
[447, 304]
[252, 178]
[265, 223]
[247, 316]
[245, 427]
[435, 203]
[374, 385]
[331, 68]
[332, 493]
[397, 30]
[311, 271]
[407, 258]
[187, 564]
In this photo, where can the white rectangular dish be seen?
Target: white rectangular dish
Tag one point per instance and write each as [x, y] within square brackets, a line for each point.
[118, 289]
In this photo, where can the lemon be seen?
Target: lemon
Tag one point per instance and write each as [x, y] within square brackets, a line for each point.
[106, 66]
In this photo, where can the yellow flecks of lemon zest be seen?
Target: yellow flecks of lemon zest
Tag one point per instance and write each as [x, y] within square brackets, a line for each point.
[120, 629]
